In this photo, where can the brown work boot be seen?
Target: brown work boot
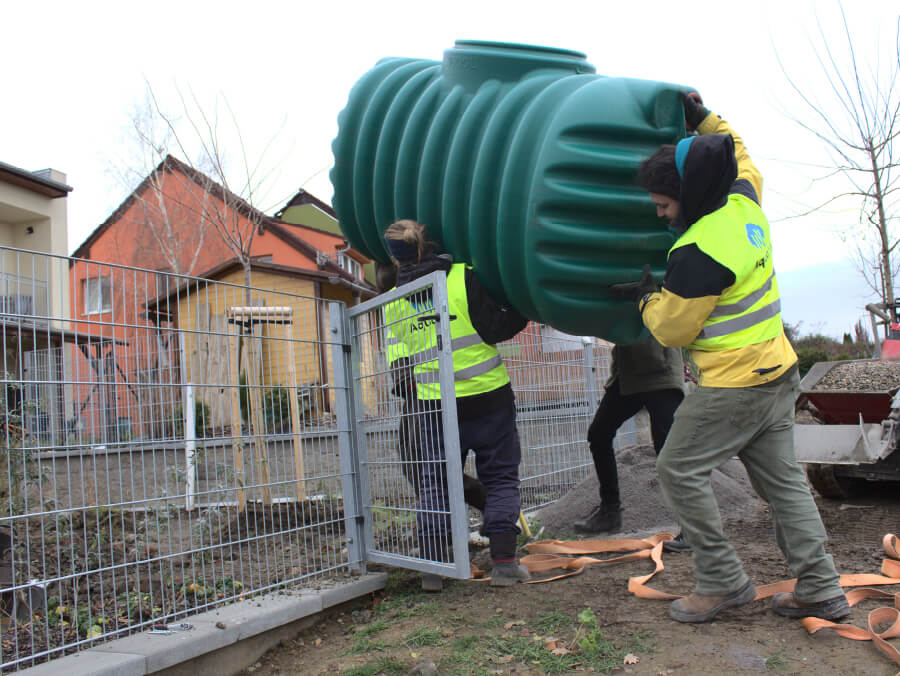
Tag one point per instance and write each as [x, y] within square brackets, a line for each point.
[835, 608]
[703, 608]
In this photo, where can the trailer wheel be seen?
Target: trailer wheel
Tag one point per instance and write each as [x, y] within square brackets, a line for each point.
[830, 484]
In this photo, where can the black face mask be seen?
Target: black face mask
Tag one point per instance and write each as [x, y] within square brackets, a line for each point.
[430, 262]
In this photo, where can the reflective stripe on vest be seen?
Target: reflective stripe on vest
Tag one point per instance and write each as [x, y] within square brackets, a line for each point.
[745, 303]
[456, 344]
[742, 322]
[749, 311]
[463, 374]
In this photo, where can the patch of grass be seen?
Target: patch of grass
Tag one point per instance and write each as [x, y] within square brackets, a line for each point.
[389, 605]
[396, 579]
[465, 657]
[552, 622]
[361, 645]
[386, 665]
[404, 583]
[464, 643]
[530, 652]
[493, 622]
[779, 662]
[461, 618]
[422, 608]
[424, 636]
[372, 628]
[640, 642]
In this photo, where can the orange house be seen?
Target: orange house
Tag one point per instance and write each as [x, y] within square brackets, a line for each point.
[127, 385]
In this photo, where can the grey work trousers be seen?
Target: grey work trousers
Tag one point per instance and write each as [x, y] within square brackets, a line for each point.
[756, 424]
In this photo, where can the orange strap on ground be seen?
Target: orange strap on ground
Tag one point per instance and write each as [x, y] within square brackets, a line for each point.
[550, 554]
[545, 555]
[885, 615]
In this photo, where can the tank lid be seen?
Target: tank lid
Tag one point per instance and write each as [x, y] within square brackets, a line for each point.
[519, 46]
[472, 62]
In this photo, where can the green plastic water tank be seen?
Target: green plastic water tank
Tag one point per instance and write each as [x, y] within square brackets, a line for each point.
[521, 161]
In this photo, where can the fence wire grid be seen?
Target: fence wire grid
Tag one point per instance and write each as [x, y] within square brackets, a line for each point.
[171, 443]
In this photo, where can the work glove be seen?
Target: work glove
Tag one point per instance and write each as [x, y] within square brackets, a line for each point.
[634, 291]
[694, 110]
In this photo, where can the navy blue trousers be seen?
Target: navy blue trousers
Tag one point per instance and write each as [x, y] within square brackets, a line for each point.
[495, 441]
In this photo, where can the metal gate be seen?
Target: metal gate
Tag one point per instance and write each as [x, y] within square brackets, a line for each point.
[406, 506]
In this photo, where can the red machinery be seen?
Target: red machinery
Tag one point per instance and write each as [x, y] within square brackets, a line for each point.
[859, 439]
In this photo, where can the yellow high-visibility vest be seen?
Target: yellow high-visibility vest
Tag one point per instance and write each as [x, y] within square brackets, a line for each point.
[477, 366]
[749, 311]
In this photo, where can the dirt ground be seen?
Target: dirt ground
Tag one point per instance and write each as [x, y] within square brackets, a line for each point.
[471, 628]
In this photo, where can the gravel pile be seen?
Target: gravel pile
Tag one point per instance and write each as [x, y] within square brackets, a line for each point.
[645, 510]
[861, 376]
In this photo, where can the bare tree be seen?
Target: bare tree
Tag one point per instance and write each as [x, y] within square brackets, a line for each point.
[229, 202]
[859, 136]
[171, 232]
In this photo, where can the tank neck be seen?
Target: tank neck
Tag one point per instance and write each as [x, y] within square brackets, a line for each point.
[472, 62]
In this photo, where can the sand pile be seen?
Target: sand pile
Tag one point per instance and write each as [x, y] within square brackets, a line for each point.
[644, 507]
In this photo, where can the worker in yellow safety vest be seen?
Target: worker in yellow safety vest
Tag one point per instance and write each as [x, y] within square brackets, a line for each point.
[485, 404]
[396, 352]
[720, 299]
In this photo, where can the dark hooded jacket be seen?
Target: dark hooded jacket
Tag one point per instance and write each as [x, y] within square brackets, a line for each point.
[716, 167]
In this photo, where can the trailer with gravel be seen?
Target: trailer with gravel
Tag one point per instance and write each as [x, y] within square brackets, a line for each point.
[850, 432]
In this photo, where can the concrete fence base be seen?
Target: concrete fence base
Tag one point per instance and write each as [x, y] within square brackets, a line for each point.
[222, 641]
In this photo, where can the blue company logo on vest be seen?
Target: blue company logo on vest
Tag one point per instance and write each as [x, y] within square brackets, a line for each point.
[756, 236]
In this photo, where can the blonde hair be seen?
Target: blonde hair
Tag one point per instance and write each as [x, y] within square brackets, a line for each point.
[408, 231]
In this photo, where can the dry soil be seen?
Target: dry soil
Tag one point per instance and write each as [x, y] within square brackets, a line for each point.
[472, 628]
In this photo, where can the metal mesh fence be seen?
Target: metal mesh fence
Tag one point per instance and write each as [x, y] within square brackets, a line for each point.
[558, 380]
[410, 467]
[168, 444]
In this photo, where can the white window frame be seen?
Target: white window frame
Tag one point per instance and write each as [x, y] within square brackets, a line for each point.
[351, 265]
[105, 299]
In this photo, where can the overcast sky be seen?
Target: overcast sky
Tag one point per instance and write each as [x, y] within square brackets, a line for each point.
[74, 72]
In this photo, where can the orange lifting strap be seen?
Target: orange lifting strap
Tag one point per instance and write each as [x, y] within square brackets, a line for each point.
[571, 556]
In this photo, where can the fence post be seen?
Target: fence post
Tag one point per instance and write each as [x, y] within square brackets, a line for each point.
[354, 479]
[590, 370]
[190, 434]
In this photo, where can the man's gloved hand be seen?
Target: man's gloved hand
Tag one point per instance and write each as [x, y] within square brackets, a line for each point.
[634, 291]
[694, 110]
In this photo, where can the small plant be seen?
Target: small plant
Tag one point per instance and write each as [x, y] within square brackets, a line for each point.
[372, 628]
[588, 636]
[424, 636]
[362, 645]
[386, 666]
[552, 622]
[135, 605]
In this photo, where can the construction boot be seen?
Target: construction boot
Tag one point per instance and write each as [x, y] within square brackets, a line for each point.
[508, 573]
[432, 582]
[703, 608]
[678, 544]
[835, 608]
[601, 520]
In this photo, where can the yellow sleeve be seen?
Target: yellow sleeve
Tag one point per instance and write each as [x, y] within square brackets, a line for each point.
[713, 124]
[675, 321]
